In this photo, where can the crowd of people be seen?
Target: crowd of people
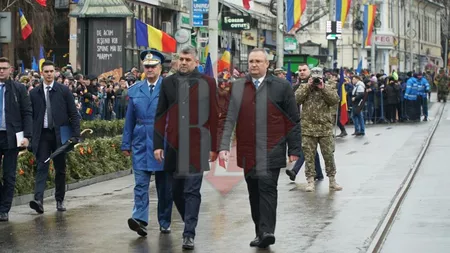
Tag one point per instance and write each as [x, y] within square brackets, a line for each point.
[381, 98]
[163, 108]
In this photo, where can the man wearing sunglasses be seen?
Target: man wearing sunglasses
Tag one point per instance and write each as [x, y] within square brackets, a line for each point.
[55, 121]
[137, 139]
[15, 117]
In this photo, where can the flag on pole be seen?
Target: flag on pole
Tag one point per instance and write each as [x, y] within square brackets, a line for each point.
[34, 64]
[294, 11]
[368, 19]
[150, 37]
[342, 8]
[41, 58]
[343, 117]
[225, 61]
[289, 73]
[25, 28]
[209, 71]
[359, 68]
[246, 4]
[42, 2]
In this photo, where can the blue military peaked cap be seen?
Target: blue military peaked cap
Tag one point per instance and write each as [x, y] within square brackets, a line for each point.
[152, 57]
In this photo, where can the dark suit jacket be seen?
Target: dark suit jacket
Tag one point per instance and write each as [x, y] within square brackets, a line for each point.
[267, 120]
[174, 108]
[64, 112]
[17, 112]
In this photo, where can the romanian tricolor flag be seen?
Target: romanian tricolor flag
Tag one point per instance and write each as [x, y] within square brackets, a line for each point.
[42, 2]
[342, 8]
[225, 61]
[294, 11]
[150, 37]
[25, 28]
[41, 58]
[368, 19]
[343, 117]
[89, 111]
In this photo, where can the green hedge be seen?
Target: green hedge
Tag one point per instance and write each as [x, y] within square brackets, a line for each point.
[93, 157]
[103, 128]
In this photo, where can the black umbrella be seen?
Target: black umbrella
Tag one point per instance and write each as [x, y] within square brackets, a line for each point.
[68, 146]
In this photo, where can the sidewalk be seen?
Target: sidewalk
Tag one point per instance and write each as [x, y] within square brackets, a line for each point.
[423, 221]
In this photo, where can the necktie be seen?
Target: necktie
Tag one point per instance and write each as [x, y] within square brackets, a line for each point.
[151, 86]
[2, 85]
[49, 109]
[256, 84]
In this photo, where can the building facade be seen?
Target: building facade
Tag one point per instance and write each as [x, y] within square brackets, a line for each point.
[393, 34]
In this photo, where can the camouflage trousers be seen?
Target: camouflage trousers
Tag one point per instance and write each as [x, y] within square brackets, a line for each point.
[309, 146]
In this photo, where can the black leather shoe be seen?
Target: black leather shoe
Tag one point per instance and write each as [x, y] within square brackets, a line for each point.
[4, 217]
[255, 242]
[188, 243]
[164, 230]
[137, 226]
[60, 206]
[291, 174]
[37, 206]
[266, 240]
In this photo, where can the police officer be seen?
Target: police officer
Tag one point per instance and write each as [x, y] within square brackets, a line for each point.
[137, 139]
[317, 99]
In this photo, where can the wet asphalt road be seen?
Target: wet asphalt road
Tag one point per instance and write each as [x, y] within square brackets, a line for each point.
[423, 221]
[370, 169]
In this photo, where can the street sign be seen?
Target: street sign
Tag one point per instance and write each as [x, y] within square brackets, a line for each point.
[200, 13]
[234, 22]
[333, 30]
[5, 27]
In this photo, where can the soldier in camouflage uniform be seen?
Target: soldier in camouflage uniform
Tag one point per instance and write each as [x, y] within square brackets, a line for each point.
[442, 84]
[173, 64]
[318, 100]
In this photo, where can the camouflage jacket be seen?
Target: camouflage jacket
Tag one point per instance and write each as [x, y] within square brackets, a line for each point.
[317, 107]
[442, 82]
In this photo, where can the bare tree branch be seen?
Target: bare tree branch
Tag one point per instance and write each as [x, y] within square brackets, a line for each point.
[8, 5]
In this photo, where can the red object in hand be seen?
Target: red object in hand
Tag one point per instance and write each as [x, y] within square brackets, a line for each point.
[221, 162]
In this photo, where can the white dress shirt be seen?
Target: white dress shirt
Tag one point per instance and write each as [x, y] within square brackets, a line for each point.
[154, 85]
[261, 79]
[3, 126]
[45, 94]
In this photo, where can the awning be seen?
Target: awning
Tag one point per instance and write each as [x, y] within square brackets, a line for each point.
[248, 12]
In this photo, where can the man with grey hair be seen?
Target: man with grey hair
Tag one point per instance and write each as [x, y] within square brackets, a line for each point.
[187, 118]
[263, 109]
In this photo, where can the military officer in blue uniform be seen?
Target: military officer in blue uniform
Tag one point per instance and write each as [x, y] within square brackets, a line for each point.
[137, 140]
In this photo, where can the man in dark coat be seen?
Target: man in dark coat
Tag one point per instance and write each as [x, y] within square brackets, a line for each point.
[15, 117]
[55, 120]
[187, 115]
[266, 116]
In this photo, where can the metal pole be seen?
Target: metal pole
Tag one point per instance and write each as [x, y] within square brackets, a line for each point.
[446, 54]
[411, 57]
[214, 33]
[280, 33]
[332, 43]
[373, 67]
[398, 37]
